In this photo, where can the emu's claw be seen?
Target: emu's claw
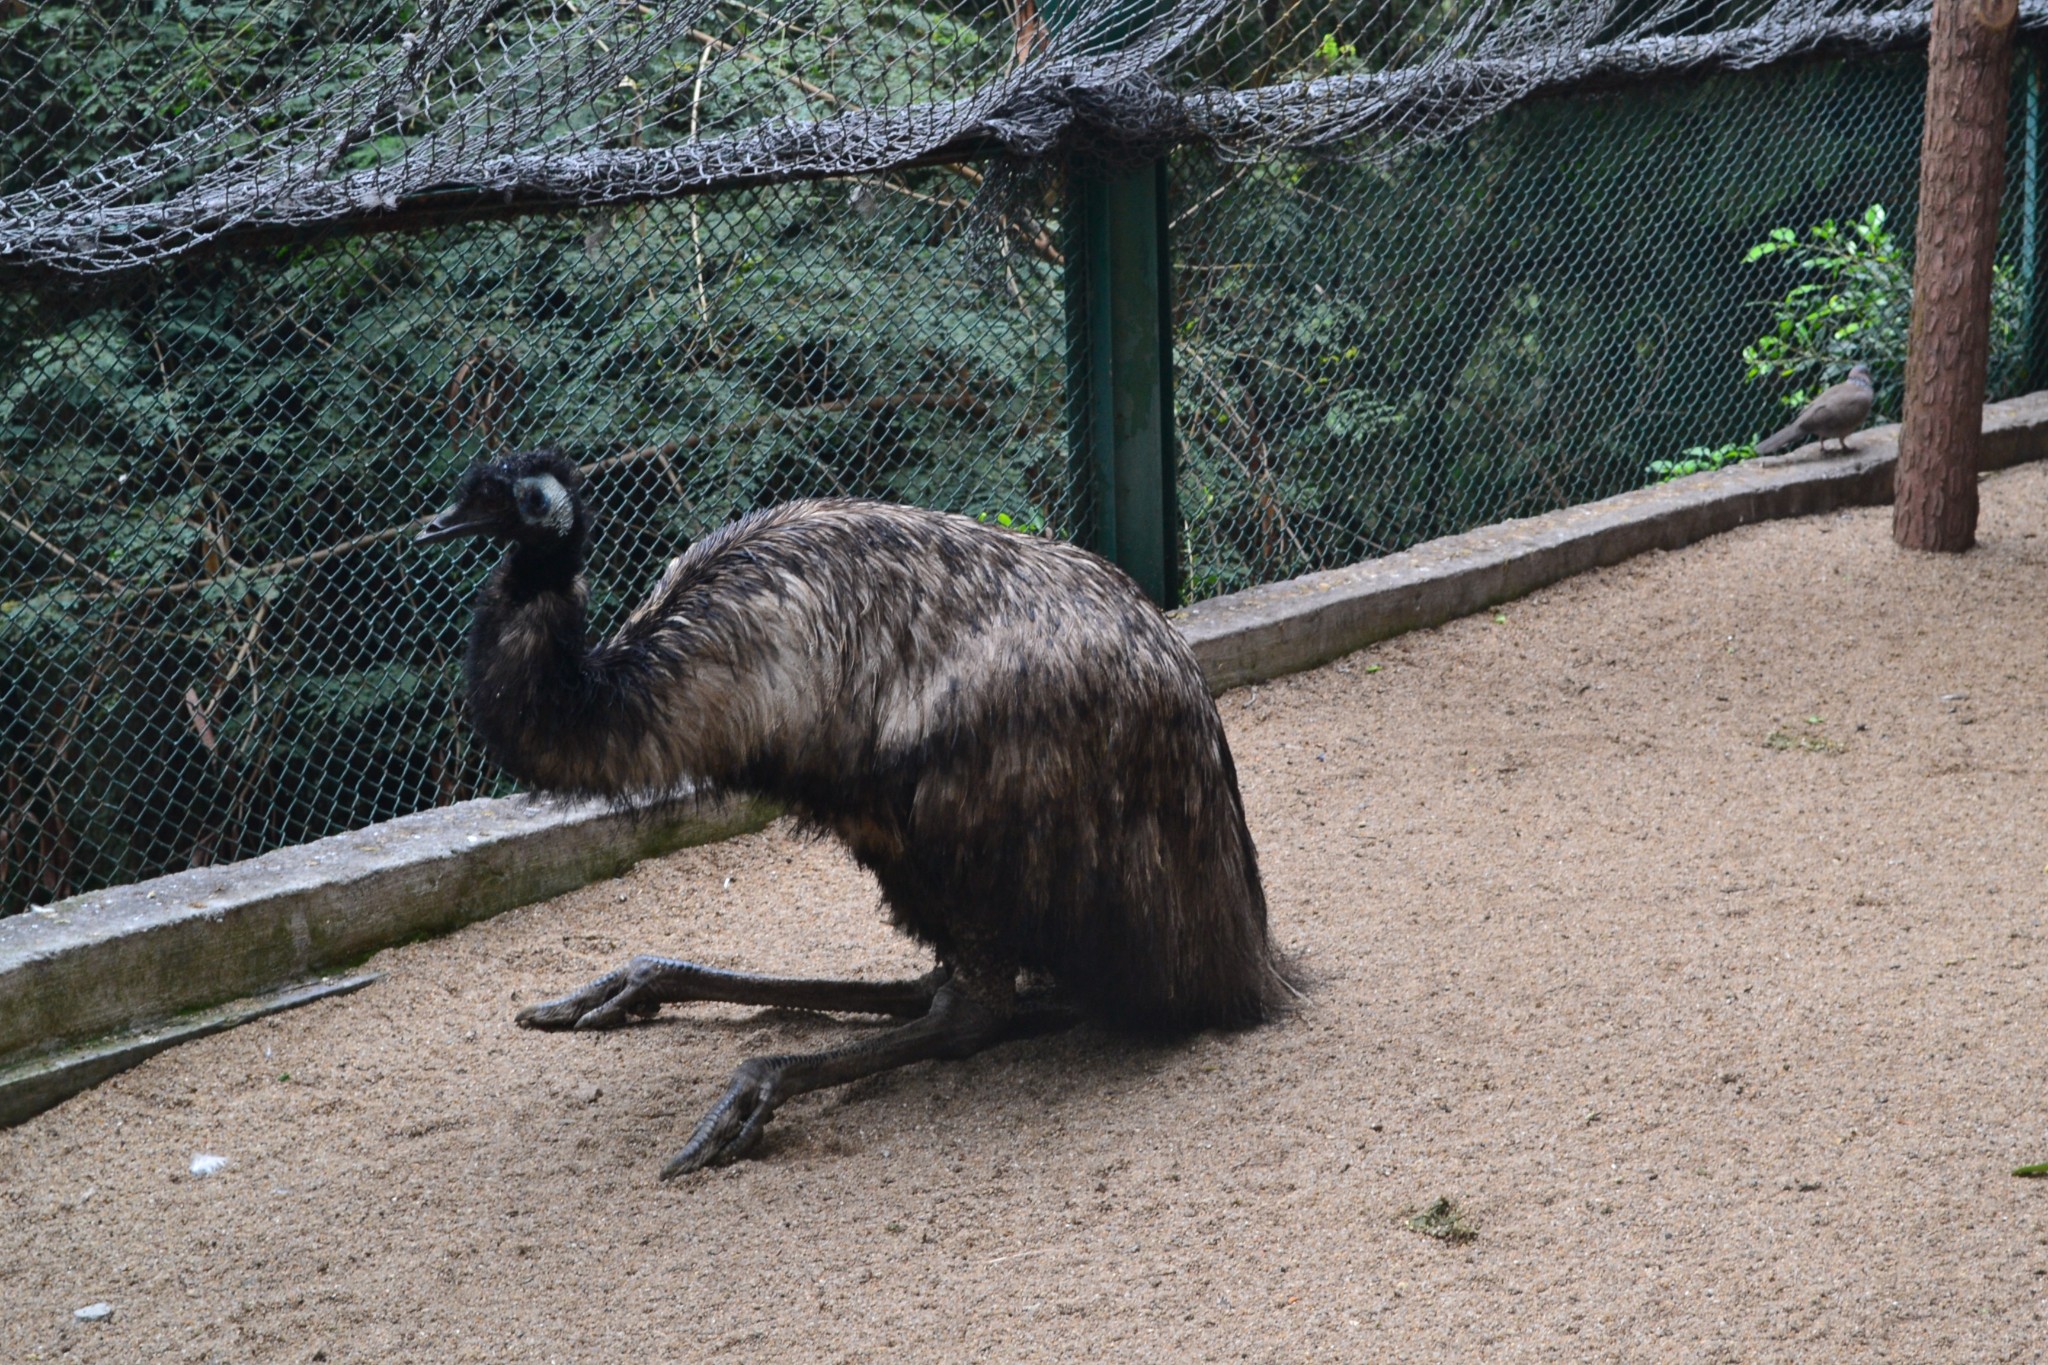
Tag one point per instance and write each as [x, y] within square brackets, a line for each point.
[605, 1003]
[733, 1127]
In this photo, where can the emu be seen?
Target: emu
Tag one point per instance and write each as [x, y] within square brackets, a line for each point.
[1001, 729]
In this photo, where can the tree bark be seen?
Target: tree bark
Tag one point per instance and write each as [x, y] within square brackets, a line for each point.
[1962, 174]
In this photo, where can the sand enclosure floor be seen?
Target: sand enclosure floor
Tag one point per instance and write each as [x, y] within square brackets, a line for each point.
[1682, 923]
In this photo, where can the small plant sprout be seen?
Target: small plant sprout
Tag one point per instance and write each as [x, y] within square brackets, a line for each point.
[1444, 1221]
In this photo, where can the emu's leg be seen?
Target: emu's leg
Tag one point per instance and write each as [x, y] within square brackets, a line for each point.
[967, 1015]
[645, 984]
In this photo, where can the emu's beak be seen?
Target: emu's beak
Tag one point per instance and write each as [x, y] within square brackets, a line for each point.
[447, 524]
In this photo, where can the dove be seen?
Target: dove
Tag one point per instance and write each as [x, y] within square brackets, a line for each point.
[1838, 411]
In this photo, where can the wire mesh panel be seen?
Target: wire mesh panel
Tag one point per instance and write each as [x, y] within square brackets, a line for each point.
[272, 272]
[215, 634]
[1520, 318]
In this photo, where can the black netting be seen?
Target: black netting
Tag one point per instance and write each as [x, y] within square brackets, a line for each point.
[1431, 266]
[142, 130]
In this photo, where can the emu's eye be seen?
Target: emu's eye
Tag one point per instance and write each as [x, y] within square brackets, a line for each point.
[542, 501]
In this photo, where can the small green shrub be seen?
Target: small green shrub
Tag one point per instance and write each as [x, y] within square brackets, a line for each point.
[1694, 459]
[1445, 1221]
[1858, 311]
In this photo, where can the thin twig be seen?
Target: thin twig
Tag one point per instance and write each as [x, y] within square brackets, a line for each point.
[181, 448]
[733, 49]
[1267, 361]
[1229, 183]
[938, 201]
[246, 652]
[1262, 479]
[370, 373]
[1030, 233]
[696, 227]
[967, 173]
[938, 402]
[71, 559]
[275, 566]
[776, 421]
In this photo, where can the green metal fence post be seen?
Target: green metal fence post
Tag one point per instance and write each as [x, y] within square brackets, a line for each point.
[1120, 358]
[2033, 252]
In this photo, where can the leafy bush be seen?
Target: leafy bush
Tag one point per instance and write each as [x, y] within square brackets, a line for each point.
[1370, 355]
[1858, 311]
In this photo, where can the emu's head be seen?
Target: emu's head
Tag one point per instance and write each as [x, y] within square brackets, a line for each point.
[528, 499]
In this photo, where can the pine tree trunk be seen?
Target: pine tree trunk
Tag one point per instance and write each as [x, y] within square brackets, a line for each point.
[1962, 173]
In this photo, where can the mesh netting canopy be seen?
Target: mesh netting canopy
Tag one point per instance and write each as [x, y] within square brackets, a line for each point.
[291, 115]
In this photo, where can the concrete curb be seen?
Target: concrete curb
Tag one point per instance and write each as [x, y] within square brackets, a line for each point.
[1285, 627]
[28, 1088]
[82, 979]
[95, 983]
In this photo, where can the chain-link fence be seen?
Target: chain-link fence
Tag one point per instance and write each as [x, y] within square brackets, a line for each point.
[216, 637]
[1525, 316]
[215, 634]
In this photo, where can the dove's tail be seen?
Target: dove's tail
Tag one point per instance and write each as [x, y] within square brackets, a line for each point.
[1779, 440]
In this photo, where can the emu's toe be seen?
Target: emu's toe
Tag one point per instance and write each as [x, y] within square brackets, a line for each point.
[550, 1014]
[605, 1003]
[733, 1127]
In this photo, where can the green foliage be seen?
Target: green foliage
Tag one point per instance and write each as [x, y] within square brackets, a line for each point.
[1370, 355]
[96, 86]
[83, 82]
[1444, 1221]
[1854, 310]
[1855, 313]
[215, 635]
[1696, 459]
[1857, 309]
[1027, 524]
[1337, 58]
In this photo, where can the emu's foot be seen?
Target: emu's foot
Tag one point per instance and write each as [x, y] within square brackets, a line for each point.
[645, 984]
[733, 1127]
[967, 1014]
[606, 1002]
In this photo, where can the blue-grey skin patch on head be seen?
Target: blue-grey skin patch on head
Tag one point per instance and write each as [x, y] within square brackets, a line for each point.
[543, 502]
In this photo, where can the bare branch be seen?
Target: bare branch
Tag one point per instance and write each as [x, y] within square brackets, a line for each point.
[51, 547]
[275, 566]
[776, 421]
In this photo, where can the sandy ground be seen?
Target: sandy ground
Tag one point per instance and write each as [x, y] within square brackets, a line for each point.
[1683, 924]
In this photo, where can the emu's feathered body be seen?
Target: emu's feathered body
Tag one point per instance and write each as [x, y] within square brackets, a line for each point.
[1003, 729]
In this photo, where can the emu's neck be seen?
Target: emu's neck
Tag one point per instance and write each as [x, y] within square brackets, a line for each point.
[533, 694]
[531, 571]
[530, 618]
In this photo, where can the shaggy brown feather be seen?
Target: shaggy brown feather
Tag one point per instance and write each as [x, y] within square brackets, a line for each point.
[1001, 727]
